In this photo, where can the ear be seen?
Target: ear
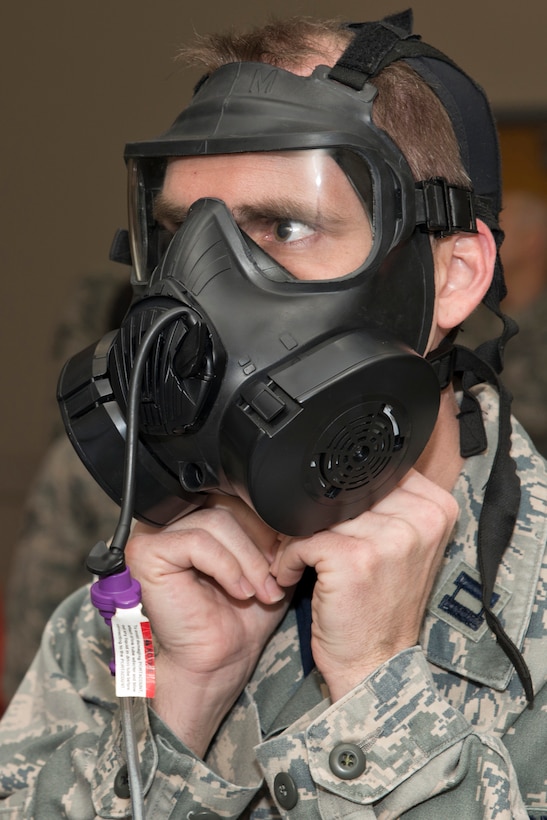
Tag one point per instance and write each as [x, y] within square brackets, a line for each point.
[464, 267]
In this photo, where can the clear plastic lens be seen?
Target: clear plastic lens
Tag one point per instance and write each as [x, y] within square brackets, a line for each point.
[311, 211]
[148, 238]
[138, 229]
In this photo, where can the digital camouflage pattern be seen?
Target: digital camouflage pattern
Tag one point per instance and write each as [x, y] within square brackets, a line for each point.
[444, 727]
[65, 511]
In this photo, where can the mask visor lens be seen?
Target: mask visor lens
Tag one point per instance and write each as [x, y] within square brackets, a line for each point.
[148, 238]
[312, 211]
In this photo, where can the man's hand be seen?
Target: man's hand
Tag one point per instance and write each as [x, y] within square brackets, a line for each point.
[209, 590]
[374, 576]
[213, 603]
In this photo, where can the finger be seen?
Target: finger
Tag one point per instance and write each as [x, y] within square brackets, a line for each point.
[416, 499]
[263, 536]
[212, 542]
[416, 521]
[294, 555]
[174, 553]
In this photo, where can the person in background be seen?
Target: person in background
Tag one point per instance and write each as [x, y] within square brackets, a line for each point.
[524, 257]
[406, 676]
[66, 512]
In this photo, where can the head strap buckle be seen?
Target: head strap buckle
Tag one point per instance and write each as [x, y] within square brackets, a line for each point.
[444, 209]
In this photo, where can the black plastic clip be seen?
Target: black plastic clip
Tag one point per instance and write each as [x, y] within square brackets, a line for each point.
[444, 209]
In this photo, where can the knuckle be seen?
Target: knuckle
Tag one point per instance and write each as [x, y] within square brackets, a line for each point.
[217, 517]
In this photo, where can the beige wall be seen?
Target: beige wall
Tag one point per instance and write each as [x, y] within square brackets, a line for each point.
[80, 79]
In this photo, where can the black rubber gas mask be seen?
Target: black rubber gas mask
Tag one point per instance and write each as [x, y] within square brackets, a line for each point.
[284, 287]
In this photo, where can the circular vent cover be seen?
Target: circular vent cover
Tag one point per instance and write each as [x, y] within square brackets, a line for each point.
[357, 448]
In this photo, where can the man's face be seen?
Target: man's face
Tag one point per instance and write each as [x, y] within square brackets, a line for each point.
[299, 206]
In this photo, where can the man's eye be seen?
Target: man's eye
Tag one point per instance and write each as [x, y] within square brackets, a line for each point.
[291, 230]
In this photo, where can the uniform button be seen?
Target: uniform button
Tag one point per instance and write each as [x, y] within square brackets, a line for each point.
[285, 791]
[347, 761]
[121, 783]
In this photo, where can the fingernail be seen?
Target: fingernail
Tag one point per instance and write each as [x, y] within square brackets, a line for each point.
[246, 588]
[275, 592]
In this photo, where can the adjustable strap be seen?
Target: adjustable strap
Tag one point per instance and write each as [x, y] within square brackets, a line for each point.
[493, 350]
[502, 492]
[376, 45]
[356, 65]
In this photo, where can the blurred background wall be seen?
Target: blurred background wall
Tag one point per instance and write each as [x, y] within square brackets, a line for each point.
[80, 79]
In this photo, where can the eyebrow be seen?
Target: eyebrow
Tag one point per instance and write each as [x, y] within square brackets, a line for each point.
[271, 209]
[165, 210]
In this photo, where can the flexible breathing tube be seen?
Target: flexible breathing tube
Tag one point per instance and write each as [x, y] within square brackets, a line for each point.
[116, 594]
[132, 758]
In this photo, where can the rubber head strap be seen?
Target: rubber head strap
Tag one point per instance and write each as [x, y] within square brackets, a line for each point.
[377, 45]
[356, 64]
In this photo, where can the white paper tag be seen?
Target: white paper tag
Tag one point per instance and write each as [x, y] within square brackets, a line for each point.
[133, 654]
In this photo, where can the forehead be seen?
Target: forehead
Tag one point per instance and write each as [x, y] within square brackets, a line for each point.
[236, 177]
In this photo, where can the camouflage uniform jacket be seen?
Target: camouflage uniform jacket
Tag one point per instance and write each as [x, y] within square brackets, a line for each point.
[442, 730]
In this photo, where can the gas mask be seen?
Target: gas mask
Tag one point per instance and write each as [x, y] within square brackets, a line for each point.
[284, 285]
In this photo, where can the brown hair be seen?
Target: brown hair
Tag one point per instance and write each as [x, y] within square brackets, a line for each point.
[406, 108]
